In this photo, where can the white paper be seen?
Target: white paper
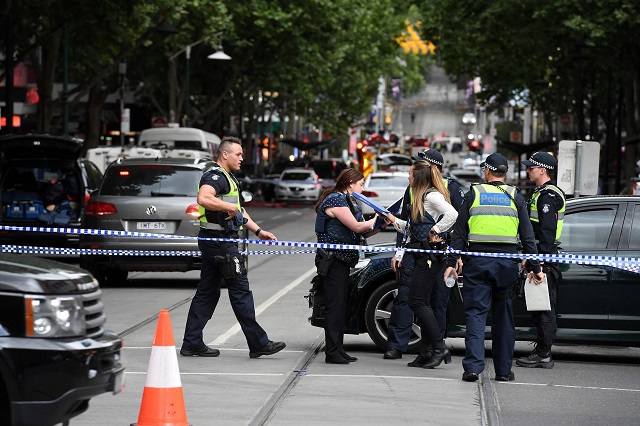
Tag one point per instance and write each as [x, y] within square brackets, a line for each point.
[537, 295]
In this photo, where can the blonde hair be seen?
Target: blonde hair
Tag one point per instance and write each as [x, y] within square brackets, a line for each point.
[426, 178]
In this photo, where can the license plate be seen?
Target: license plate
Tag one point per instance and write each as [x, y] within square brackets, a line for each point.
[151, 225]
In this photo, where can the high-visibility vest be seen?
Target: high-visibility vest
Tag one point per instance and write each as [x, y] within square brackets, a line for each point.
[533, 211]
[233, 197]
[493, 216]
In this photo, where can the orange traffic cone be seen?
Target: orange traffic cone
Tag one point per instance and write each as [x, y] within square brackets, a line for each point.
[162, 399]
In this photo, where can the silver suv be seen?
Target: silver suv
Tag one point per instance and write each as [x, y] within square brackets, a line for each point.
[142, 195]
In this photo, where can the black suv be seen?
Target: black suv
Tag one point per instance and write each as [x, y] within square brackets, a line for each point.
[43, 183]
[54, 352]
[596, 304]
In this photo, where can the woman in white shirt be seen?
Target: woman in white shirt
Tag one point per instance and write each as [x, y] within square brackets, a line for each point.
[430, 216]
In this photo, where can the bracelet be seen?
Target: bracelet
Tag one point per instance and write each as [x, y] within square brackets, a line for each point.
[432, 232]
[258, 231]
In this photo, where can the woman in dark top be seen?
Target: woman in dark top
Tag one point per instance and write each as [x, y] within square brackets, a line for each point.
[339, 221]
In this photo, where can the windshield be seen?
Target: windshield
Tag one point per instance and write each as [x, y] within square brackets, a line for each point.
[148, 181]
[388, 181]
[298, 176]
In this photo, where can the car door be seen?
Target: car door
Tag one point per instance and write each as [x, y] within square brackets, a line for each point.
[624, 315]
[590, 228]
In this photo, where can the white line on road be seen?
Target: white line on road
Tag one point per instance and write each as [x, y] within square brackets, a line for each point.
[236, 328]
[571, 386]
[223, 349]
[214, 374]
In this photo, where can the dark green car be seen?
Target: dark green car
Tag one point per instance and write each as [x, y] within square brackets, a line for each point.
[596, 304]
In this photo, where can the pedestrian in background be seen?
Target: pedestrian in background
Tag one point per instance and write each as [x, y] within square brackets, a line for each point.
[493, 218]
[339, 221]
[222, 216]
[546, 211]
[401, 317]
[430, 215]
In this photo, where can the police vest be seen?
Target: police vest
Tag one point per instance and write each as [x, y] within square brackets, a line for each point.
[217, 220]
[533, 211]
[493, 216]
[336, 230]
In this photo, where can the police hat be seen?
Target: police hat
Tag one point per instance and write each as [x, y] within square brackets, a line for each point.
[431, 155]
[541, 159]
[496, 162]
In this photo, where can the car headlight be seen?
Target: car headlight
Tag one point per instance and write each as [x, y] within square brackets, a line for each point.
[282, 187]
[54, 316]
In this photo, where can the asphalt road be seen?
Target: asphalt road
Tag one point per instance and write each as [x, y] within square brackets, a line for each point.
[588, 386]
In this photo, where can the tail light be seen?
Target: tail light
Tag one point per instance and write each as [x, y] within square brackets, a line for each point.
[193, 210]
[369, 194]
[98, 208]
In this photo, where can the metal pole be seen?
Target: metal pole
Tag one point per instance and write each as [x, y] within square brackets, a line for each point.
[122, 71]
[187, 88]
[576, 185]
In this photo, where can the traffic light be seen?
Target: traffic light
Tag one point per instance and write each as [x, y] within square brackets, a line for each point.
[474, 146]
[360, 151]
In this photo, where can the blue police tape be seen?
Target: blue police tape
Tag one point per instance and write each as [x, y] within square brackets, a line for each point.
[626, 263]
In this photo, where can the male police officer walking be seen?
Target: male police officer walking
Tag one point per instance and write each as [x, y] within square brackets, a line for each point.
[546, 210]
[493, 217]
[399, 328]
[221, 217]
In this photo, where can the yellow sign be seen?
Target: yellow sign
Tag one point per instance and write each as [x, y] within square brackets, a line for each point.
[367, 163]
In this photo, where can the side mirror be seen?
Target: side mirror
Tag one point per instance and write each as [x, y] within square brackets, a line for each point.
[246, 196]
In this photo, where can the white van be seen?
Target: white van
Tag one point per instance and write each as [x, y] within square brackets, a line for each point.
[102, 156]
[180, 142]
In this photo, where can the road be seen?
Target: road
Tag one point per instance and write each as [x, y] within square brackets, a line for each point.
[588, 386]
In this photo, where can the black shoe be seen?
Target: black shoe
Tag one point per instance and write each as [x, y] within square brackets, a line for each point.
[268, 349]
[508, 378]
[336, 360]
[536, 360]
[420, 360]
[348, 357]
[470, 377]
[206, 351]
[392, 353]
[437, 356]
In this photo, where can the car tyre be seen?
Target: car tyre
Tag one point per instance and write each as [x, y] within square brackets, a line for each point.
[378, 312]
[116, 276]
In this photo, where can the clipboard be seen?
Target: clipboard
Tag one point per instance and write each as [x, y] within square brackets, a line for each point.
[537, 295]
[375, 206]
[393, 208]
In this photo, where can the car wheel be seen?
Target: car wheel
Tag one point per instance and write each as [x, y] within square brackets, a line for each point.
[378, 312]
[116, 276]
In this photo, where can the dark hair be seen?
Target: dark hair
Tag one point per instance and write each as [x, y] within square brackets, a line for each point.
[346, 177]
[226, 142]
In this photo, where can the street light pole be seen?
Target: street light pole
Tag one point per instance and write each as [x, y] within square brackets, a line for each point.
[122, 71]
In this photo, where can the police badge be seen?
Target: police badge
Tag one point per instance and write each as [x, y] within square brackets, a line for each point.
[545, 208]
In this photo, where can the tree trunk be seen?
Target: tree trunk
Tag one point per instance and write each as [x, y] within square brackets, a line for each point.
[95, 105]
[46, 76]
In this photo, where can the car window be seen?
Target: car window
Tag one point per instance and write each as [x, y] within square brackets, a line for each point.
[634, 242]
[146, 181]
[94, 175]
[587, 229]
[298, 176]
[386, 181]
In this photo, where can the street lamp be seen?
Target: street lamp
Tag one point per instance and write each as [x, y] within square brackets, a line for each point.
[218, 55]
[124, 124]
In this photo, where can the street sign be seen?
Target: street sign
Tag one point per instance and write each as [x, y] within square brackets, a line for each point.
[578, 165]
[125, 120]
[565, 120]
[515, 137]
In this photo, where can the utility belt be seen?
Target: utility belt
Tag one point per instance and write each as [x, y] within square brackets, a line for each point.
[433, 257]
[326, 261]
[219, 234]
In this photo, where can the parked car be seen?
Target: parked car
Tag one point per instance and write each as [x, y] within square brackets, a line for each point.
[144, 195]
[596, 304]
[298, 185]
[44, 182]
[54, 352]
[465, 177]
[384, 188]
[394, 162]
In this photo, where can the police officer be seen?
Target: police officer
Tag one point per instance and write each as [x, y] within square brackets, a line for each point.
[222, 216]
[401, 319]
[546, 210]
[495, 214]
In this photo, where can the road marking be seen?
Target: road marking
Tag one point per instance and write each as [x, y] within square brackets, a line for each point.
[214, 374]
[236, 328]
[222, 349]
[277, 217]
[374, 376]
[570, 386]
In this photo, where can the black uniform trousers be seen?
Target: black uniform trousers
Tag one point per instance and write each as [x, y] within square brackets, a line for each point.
[208, 293]
[545, 321]
[487, 282]
[336, 284]
[423, 281]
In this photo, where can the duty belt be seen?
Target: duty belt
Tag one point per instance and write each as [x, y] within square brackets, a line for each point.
[211, 226]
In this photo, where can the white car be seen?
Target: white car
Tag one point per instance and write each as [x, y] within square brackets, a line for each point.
[384, 188]
[469, 118]
[298, 185]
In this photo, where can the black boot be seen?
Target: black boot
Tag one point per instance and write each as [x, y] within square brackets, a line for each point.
[439, 354]
[423, 357]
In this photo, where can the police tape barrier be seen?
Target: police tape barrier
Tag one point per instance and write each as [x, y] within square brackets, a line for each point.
[627, 263]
